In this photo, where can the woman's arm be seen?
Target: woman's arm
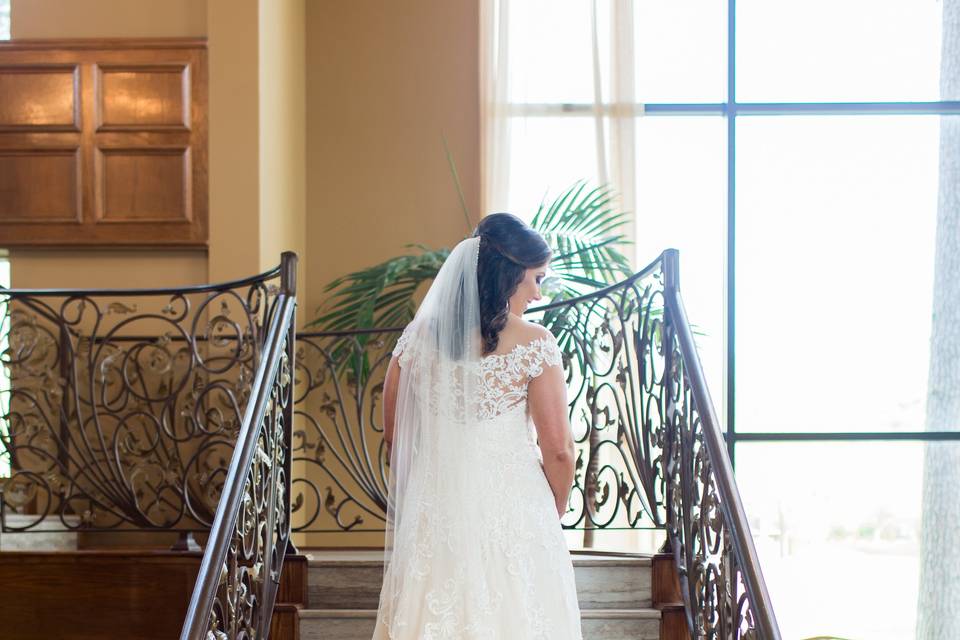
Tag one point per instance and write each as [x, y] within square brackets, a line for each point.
[547, 398]
[390, 383]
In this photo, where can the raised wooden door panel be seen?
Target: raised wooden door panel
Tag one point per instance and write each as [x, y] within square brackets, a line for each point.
[147, 184]
[143, 97]
[41, 97]
[58, 202]
[103, 142]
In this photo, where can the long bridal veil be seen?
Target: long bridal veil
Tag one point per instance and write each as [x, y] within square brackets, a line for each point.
[435, 458]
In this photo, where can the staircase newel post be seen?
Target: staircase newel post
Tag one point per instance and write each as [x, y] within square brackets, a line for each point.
[671, 282]
[673, 457]
[288, 273]
[288, 284]
[671, 269]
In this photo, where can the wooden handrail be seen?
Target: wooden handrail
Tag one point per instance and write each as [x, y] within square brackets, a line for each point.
[279, 341]
[730, 503]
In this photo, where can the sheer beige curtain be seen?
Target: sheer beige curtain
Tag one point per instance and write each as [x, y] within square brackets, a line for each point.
[495, 127]
[606, 29]
[589, 102]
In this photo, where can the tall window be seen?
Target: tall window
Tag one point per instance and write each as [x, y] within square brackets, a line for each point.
[803, 157]
[4, 19]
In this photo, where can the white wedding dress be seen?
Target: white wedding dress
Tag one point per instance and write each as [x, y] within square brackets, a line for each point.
[482, 558]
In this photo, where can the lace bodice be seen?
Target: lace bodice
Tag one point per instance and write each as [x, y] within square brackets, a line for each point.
[503, 378]
[480, 553]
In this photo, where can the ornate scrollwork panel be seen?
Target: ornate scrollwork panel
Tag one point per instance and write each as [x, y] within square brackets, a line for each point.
[614, 363]
[338, 439]
[614, 357]
[711, 578]
[250, 573]
[124, 409]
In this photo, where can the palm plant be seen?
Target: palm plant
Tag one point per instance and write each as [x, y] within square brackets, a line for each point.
[581, 225]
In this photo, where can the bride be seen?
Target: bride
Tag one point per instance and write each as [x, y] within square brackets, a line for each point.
[481, 455]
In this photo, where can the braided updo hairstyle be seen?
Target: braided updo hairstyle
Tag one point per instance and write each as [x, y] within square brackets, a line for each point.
[508, 247]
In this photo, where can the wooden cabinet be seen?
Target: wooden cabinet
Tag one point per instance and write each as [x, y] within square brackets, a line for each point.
[103, 142]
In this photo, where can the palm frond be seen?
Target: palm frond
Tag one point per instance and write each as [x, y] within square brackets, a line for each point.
[364, 299]
[583, 228]
[581, 225]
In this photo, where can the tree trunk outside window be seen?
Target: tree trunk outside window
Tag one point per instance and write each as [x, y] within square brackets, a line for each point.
[938, 608]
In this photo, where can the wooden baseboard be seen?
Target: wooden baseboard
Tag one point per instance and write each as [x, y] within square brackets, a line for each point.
[90, 595]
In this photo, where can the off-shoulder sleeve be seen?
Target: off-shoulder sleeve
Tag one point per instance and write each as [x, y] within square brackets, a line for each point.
[402, 347]
[542, 353]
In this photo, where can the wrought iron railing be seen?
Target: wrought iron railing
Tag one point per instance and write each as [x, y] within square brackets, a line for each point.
[127, 417]
[338, 440]
[723, 589]
[610, 341]
[240, 572]
[650, 453]
[119, 408]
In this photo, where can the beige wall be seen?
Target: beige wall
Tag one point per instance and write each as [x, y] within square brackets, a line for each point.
[366, 102]
[326, 125]
[107, 19]
[384, 80]
[257, 138]
[257, 143]
[282, 139]
[83, 268]
[232, 42]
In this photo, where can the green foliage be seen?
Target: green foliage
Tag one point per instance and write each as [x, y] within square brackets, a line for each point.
[379, 296]
[583, 229]
[581, 226]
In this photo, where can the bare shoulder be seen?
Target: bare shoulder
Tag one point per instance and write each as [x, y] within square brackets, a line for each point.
[520, 331]
[533, 331]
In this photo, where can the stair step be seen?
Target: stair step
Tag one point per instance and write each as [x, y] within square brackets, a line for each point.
[352, 579]
[47, 535]
[597, 624]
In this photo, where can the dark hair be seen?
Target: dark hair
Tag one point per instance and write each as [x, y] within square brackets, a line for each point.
[508, 247]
